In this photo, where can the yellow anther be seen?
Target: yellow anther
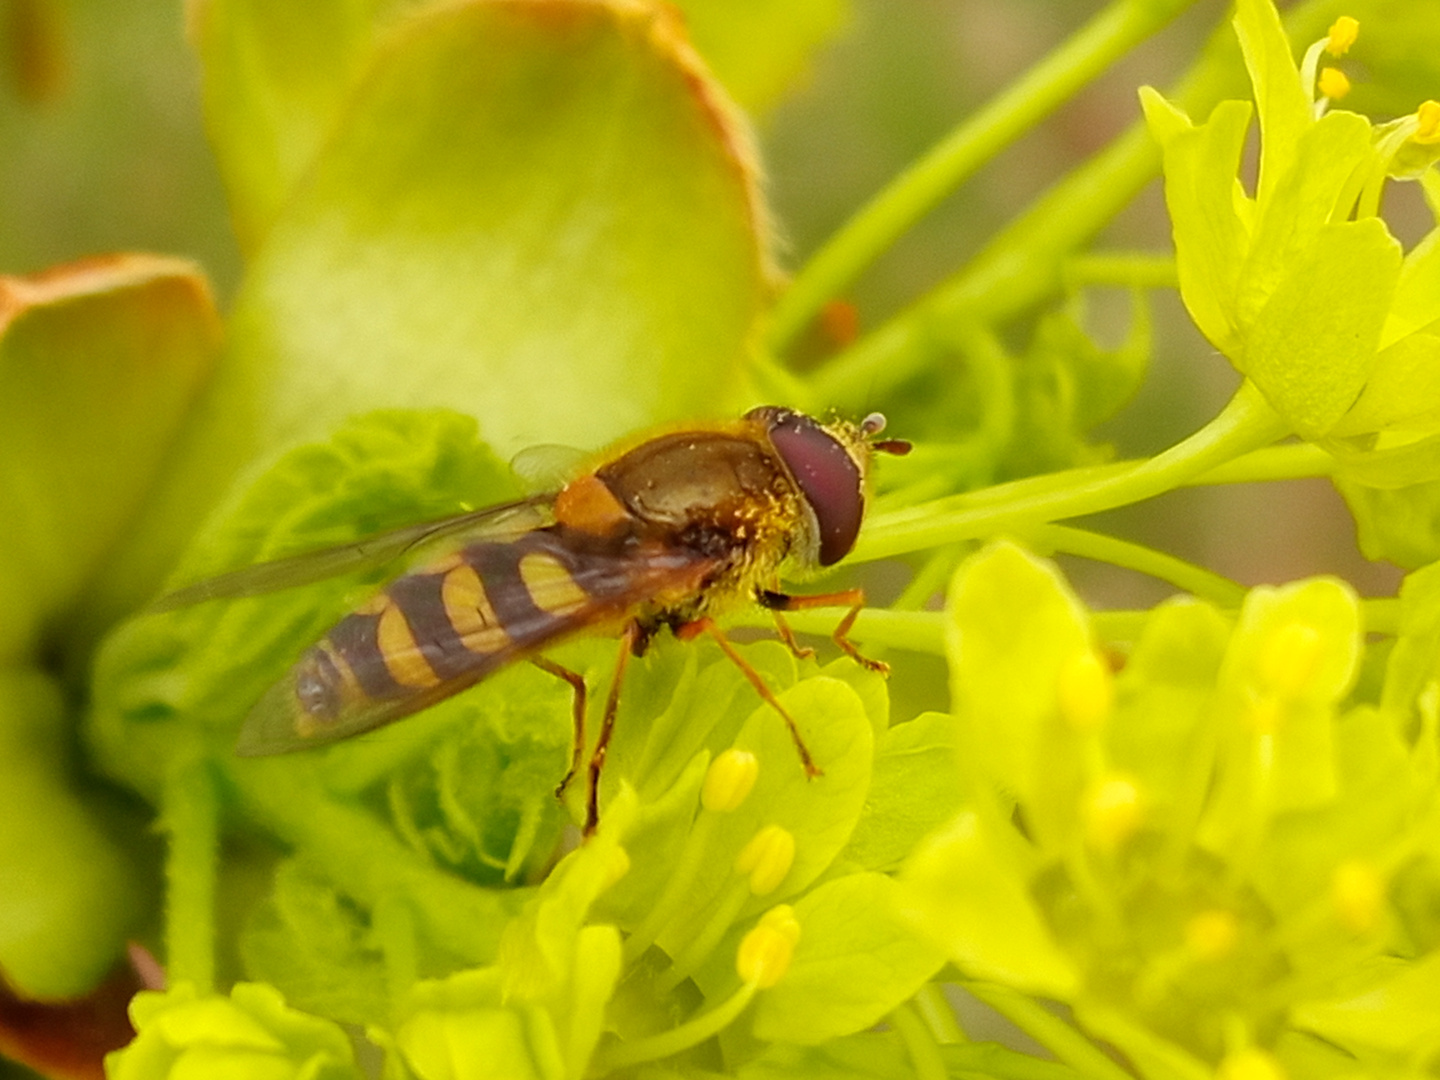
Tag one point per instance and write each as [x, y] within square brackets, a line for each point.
[1211, 935]
[1251, 1063]
[1112, 811]
[767, 858]
[1086, 690]
[1357, 889]
[1343, 32]
[765, 952]
[1289, 658]
[1333, 83]
[729, 781]
[1428, 118]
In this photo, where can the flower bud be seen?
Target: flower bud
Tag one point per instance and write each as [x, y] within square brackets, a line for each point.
[1289, 658]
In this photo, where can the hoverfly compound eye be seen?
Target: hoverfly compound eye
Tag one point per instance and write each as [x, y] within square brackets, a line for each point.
[827, 475]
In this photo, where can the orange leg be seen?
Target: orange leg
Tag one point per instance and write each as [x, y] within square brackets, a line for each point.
[577, 684]
[707, 625]
[628, 642]
[778, 602]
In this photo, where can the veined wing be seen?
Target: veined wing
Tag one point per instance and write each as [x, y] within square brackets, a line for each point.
[443, 628]
[502, 522]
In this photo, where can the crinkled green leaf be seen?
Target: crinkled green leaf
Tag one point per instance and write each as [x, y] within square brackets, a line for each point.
[757, 48]
[856, 959]
[964, 889]
[203, 667]
[251, 1033]
[1013, 624]
[913, 793]
[1314, 341]
[70, 898]
[313, 945]
[100, 362]
[491, 226]
[1208, 211]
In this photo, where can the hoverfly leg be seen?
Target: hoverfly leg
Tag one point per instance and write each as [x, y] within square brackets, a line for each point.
[577, 685]
[787, 636]
[707, 625]
[777, 602]
[632, 638]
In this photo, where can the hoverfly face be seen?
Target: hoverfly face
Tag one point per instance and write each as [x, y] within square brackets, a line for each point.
[829, 470]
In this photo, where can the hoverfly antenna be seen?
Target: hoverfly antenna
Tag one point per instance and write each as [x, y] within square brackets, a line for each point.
[874, 424]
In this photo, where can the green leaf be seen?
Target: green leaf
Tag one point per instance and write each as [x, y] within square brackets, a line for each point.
[70, 897]
[276, 77]
[1417, 294]
[501, 197]
[967, 892]
[461, 1028]
[100, 362]
[1403, 389]
[1314, 341]
[913, 793]
[250, 1033]
[856, 960]
[757, 48]
[313, 945]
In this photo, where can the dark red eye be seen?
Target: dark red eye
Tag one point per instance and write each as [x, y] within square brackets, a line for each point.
[828, 477]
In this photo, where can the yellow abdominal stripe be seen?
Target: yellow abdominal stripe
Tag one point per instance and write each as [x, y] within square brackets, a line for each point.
[551, 586]
[470, 611]
[403, 658]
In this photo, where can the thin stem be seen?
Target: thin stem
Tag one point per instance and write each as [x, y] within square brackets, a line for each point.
[1022, 105]
[1193, 579]
[1245, 424]
[668, 1043]
[1122, 269]
[1022, 265]
[1292, 461]
[1061, 1039]
[191, 819]
[920, 1044]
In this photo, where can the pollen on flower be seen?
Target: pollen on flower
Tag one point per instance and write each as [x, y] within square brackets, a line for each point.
[1333, 83]
[1086, 690]
[767, 858]
[1112, 811]
[1342, 35]
[1251, 1063]
[1428, 119]
[1289, 658]
[765, 952]
[1211, 935]
[1357, 889]
[729, 781]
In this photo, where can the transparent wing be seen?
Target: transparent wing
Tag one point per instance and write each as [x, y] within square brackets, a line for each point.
[548, 466]
[502, 522]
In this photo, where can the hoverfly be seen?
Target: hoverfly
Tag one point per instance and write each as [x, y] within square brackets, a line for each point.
[670, 532]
